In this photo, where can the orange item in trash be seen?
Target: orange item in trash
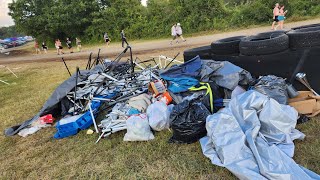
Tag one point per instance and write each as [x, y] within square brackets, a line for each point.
[166, 98]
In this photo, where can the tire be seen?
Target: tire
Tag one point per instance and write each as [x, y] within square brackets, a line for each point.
[264, 44]
[272, 33]
[204, 52]
[226, 46]
[304, 37]
[306, 26]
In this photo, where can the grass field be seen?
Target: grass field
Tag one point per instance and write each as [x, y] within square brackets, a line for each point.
[41, 157]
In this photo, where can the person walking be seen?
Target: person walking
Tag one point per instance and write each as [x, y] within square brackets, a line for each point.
[179, 32]
[78, 42]
[36, 46]
[44, 47]
[69, 44]
[59, 46]
[56, 45]
[275, 16]
[173, 33]
[123, 38]
[281, 17]
[106, 38]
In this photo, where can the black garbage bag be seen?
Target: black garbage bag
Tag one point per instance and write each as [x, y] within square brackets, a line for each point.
[274, 87]
[188, 121]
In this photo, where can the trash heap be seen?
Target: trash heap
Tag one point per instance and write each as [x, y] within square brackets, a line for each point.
[244, 124]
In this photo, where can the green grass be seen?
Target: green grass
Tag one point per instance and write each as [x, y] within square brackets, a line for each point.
[41, 157]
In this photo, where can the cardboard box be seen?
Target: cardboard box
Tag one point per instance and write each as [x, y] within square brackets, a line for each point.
[306, 103]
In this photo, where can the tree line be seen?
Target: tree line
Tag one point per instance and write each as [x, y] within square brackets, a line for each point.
[89, 19]
[6, 32]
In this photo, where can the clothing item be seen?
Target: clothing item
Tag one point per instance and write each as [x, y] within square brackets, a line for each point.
[179, 30]
[68, 42]
[123, 36]
[78, 41]
[44, 46]
[276, 19]
[280, 18]
[173, 31]
[124, 40]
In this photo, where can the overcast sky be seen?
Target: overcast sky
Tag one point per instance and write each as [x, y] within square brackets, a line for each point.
[5, 19]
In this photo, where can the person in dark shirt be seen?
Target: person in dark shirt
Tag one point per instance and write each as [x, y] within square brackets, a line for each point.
[69, 44]
[123, 38]
[44, 47]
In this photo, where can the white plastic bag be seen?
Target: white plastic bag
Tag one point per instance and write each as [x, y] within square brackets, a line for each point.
[159, 116]
[138, 128]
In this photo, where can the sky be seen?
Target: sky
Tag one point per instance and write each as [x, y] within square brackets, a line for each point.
[5, 19]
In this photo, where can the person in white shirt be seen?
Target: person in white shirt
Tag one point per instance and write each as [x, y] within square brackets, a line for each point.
[179, 32]
[173, 33]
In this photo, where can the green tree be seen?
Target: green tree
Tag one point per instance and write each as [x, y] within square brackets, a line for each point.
[53, 18]
[10, 31]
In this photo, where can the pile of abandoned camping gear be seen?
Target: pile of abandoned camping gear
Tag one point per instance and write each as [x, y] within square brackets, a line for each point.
[243, 123]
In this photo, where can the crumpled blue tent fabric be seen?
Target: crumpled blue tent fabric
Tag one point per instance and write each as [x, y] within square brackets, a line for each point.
[184, 76]
[253, 138]
[223, 73]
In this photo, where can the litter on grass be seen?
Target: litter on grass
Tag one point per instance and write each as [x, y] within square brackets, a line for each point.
[247, 132]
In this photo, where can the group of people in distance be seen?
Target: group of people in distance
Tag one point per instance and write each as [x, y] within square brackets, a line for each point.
[44, 47]
[59, 46]
[176, 32]
[278, 16]
[107, 39]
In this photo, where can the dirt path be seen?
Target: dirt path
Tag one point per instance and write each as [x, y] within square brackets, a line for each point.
[147, 46]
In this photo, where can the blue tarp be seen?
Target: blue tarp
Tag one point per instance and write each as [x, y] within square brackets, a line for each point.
[183, 76]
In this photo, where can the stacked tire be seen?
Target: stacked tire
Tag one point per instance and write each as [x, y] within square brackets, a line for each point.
[306, 37]
[204, 52]
[226, 46]
[265, 43]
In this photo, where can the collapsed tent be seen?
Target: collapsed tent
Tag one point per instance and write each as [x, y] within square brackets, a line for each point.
[253, 138]
[51, 105]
